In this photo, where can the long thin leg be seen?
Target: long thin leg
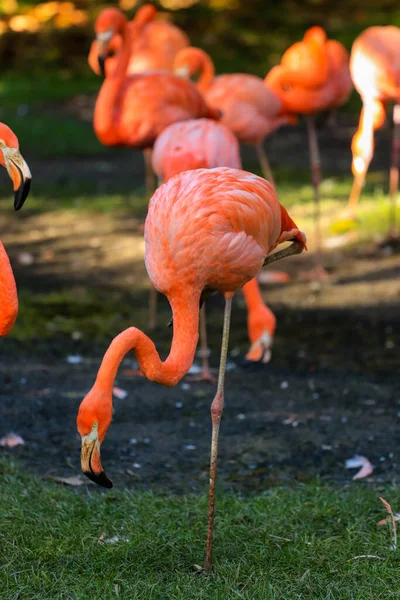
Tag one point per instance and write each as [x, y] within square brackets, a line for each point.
[355, 193]
[150, 178]
[205, 374]
[152, 307]
[216, 415]
[316, 181]
[264, 163]
[394, 170]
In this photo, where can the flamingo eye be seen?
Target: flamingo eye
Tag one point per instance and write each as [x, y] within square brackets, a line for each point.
[2, 144]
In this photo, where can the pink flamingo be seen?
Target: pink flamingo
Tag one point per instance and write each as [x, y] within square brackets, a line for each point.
[208, 229]
[18, 170]
[203, 143]
[375, 70]
[313, 76]
[132, 110]
[249, 107]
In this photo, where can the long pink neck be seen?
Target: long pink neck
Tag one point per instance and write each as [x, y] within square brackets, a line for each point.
[106, 108]
[185, 323]
[8, 294]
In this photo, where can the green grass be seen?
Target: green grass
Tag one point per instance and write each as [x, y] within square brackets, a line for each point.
[49, 544]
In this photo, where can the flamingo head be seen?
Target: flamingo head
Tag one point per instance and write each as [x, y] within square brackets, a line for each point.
[315, 34]
[189, 61]
[261, 324]
[109, 23]
[93, 421]
[18, 170]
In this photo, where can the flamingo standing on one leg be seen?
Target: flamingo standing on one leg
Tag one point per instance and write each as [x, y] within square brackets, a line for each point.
[206, 230]
[249, 107]
[313, 76]
[154, 44]
[132, 110]
[203, 143]
[375, 70]
[19, 172]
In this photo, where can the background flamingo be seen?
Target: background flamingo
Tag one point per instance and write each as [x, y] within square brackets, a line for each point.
[133, 110]
[375, 70]
[154, 44]
[19, 172]
[249, 108]
[203, 143]
[208, 229]
[313, 76]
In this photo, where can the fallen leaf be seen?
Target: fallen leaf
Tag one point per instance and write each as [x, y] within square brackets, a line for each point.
[74, 481]
[273, 277]
[360, 461]
[119, 393]
[11, 439]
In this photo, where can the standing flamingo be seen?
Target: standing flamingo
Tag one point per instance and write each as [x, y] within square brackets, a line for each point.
[249, 107]
[203, 143]
[132, 110]
[206, 230]
[19, 172]
[154, 44]
[313, 76]
[375, 70]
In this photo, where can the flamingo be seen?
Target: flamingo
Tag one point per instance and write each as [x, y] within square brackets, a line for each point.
[313, 76]
[249, 107]
[132, 110]
[206, 230]
[154, 45]
[203, 143]
[19, 172]
[375, 70]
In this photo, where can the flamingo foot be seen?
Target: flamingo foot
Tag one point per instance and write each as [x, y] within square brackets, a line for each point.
[315, 274]
[205, 376]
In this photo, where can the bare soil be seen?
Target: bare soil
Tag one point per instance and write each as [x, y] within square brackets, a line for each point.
[331, 390]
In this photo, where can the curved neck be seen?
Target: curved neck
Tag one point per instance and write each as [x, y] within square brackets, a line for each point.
[104, 113]
[8, 294]
[252, 295]
[207, 74]
[185, 323]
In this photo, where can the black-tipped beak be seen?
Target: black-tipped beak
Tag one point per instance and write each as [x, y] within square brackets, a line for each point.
[91, 463]
[102, 64]
[20, 175]
[99, 478]
[21, 193]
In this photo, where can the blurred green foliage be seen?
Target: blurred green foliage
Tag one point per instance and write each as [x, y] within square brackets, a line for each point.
[241, 36]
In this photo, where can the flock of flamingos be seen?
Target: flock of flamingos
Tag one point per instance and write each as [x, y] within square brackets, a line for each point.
[210, 226]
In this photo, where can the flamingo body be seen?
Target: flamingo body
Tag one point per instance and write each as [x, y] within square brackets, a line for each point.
[313, 75]
[8, 294]
[194, 144]
[249, 108]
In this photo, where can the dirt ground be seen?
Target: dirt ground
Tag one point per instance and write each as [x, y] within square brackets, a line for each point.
[331, 390]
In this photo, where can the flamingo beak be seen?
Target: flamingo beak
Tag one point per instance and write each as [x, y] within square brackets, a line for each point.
[103, 40]
[20, 175]
[90, 459]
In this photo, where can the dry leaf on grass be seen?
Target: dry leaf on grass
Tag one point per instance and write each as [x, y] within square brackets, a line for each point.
[11, 439]
[366, 468]
[74, 481]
